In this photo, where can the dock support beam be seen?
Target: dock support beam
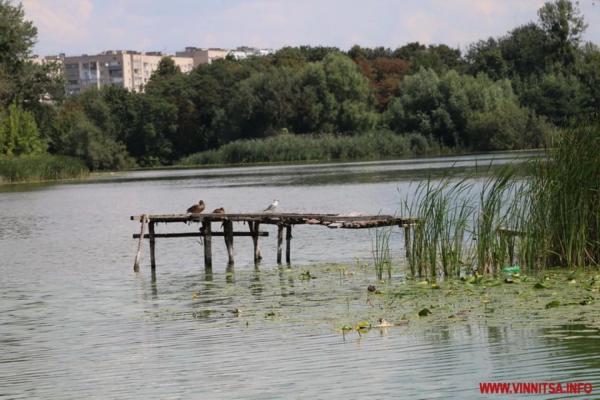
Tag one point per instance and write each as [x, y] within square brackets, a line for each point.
[228, 230]
[279, 242]
[138, 256]
[152, 245]
[407, 243]
[288, 240]
[207, 243]
[254, 226]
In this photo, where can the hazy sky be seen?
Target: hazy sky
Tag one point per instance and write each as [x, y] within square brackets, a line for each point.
[90, 26]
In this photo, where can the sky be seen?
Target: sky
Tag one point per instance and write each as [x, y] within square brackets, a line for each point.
[90, 26]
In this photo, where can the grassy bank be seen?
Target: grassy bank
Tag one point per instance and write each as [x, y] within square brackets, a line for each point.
[326, 147]
[40, 168]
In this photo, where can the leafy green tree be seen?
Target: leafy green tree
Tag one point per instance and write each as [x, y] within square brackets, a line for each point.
[166, 68]
[485, 56]
[526, 50]
[502, 128]
[289, 57]
[338, 97]
[75, 135]
[563, 23]
[557, 96]
[367, 53]
[460, 110]
[266, 103]
[409, 51]
[21, 79]
[17, 36]
[588, 71]
[19, 134]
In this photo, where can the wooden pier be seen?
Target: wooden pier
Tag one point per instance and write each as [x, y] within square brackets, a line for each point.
[254, 220]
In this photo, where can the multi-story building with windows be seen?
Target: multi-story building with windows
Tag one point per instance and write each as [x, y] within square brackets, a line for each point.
[203, 56]
[127, 69]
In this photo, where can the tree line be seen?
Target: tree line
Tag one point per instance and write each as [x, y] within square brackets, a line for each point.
[508, 92]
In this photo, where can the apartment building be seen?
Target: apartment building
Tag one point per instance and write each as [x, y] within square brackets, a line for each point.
[243, 52]
[203, 56]
[207, 56]
[127, 69]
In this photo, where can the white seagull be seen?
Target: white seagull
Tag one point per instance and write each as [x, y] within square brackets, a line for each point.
[272, 206]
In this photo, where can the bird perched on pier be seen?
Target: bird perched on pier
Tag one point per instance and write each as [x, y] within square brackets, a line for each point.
[196, 208]
[272, 207]
[219, 210]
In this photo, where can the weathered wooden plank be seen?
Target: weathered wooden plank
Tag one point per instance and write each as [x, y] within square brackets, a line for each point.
[286, 218]
[195, 234]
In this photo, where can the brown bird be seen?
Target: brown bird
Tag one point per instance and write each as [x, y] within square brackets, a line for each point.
[196, 208]
[219, 210]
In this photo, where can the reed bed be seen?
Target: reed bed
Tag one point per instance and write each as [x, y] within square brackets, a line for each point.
[563, 215]
[548, 218]
[382, 259]
[325, 147]
[40, 168]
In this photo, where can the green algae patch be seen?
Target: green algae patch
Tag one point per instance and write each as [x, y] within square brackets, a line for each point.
[347, 300]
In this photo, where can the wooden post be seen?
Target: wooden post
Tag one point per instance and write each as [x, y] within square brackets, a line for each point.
[254, 226]
[138, 256]
[288, 240]
[407, 241]
[207, 243]
[152, 245]
[279, 242]
[228, 230]
[511, 250]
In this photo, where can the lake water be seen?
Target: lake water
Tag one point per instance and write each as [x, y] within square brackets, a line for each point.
[77, 322]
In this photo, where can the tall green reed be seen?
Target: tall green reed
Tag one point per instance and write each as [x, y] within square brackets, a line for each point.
[563, 221]
[438, 239]
[294, 148]
[380, 247]
[40, 168]
[545, 218]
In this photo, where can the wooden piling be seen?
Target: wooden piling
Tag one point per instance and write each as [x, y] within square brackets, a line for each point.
[288, 240]
[279, 242]
[228, 230]
[206, 228]
[407, 243]
[152, 245]
[138, 256]
[254, 226]
[511, 250]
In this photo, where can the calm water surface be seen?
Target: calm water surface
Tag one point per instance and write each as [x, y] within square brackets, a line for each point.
[76, 322]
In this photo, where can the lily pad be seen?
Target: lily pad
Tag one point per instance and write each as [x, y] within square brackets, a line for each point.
[306, 275]
[587, 301]
[553, 304]
[424, 312]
